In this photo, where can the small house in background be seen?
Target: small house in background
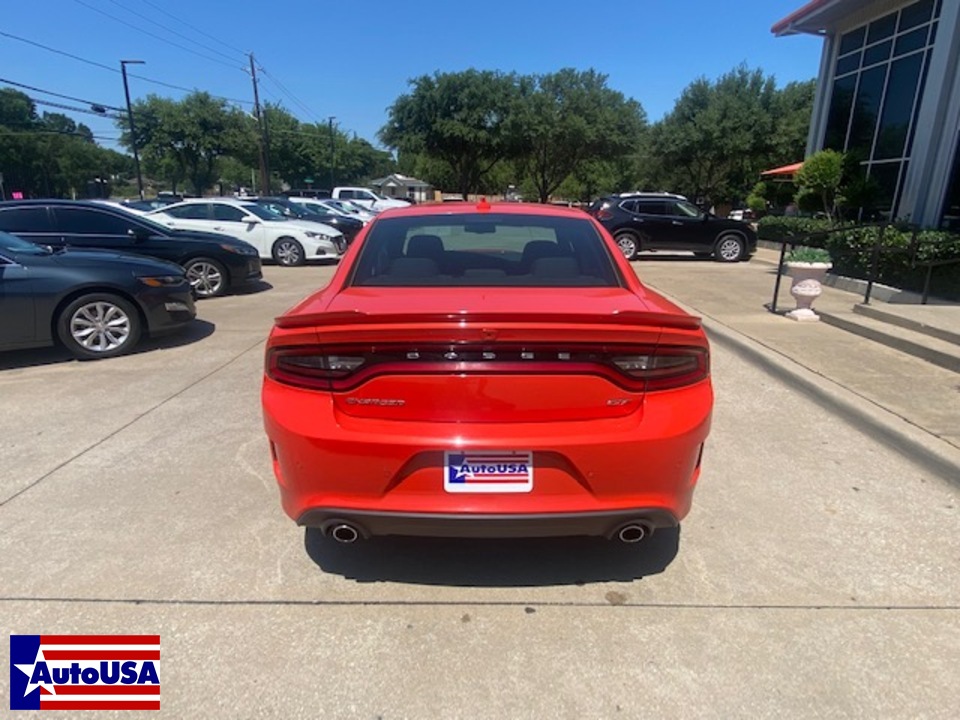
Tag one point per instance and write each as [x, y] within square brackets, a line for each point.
[403, 187]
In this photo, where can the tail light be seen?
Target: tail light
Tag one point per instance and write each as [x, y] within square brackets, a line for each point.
[604, 214]
[636, 368]
[666, 368]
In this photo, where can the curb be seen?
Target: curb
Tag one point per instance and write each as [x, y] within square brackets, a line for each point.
[930, 452]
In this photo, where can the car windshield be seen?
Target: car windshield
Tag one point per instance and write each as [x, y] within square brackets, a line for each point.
[351, 207]
[264, 212]
[19, 245]
[485, 250]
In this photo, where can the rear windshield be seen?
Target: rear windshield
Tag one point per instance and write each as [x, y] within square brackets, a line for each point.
[485, 250]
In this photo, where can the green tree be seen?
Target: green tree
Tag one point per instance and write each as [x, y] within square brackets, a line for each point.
[184, 140]
[569, 118]
[821, 176]
[720, 135]
[465, 120]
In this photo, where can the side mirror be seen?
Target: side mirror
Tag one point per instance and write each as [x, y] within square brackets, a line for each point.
[138, 234]
[252, 220]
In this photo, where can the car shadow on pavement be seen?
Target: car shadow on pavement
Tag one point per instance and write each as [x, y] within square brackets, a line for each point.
[252, 288]
[462, 562]
[196, 331]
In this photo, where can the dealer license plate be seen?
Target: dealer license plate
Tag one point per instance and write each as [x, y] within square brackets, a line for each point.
[487, 471]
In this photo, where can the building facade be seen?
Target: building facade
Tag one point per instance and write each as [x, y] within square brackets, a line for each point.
[888, 94]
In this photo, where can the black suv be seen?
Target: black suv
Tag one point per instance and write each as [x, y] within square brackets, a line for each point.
[660, 221]
[213, 263]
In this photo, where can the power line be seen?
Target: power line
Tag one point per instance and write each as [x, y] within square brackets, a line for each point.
[172, 31]
[194, 28]
[289, 94]
[115, 70]
[61, 106]
[74, 133]
[154, 35]
[65, 97]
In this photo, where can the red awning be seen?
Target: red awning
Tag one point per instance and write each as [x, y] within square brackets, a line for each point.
[785, 170]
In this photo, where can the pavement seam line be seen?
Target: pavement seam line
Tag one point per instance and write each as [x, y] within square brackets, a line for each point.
[481, 603]
[130, 423]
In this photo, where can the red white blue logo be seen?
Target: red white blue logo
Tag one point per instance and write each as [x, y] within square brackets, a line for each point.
[84, 672]
[488, 471]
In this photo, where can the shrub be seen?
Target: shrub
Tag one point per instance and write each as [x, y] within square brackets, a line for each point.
[777, 227]
[804, 254]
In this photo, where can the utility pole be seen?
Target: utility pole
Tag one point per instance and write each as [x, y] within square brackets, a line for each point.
[262, 127]
[332, 151]
[133, 132]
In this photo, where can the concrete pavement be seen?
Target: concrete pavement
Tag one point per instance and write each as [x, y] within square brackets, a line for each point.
[815, 577]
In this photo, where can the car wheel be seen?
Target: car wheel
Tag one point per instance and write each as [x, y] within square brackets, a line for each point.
[98, 326]
[628, 242]
[288, 252]
[207, 277]
[730, 248]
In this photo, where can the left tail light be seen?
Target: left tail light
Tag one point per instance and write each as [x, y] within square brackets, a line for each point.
[304, 367]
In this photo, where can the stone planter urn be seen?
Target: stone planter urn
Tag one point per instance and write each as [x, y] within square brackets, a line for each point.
[806, 287]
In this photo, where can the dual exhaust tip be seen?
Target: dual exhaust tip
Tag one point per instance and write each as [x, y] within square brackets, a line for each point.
[347, 533]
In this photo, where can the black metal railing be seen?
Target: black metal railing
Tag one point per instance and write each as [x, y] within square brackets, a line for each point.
[817, 238]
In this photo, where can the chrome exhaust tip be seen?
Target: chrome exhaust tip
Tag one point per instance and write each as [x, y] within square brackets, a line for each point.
[344, 533]
[633, 533]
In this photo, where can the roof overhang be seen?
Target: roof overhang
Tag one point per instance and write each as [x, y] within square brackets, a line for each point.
[816, 17]
[784, 172]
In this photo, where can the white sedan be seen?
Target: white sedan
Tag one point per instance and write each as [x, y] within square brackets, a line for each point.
[288, 242]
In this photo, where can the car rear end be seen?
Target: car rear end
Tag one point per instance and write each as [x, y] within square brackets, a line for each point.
[513, 380]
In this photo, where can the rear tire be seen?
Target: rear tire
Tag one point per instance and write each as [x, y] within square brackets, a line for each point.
[288, 252]
[730, 248]
[98, 325]
[628, 242]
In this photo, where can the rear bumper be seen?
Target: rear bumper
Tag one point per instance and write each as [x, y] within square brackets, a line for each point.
[605, 524]
[386, 476]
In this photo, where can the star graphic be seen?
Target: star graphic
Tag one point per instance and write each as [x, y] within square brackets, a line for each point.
[463, 472]
[27, 669]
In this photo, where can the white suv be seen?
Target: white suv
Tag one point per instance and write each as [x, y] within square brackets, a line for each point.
[288, 242]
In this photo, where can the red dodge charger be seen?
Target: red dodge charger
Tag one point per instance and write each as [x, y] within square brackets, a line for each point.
[486, 370]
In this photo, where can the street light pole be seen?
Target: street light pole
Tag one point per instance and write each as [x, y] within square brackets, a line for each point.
[332, 150]
[133, 132]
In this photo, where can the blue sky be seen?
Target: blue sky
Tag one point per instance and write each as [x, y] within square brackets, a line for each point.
[351, 59]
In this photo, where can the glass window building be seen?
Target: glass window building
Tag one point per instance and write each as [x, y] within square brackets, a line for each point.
[888, 95]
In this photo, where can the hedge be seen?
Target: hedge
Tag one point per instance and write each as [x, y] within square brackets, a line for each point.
[851, 249]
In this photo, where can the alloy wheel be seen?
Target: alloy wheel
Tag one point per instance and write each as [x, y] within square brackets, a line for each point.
[100, 326]
[205, 278]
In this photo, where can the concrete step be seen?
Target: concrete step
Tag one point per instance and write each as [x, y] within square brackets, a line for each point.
[932, 325]
[875, 326]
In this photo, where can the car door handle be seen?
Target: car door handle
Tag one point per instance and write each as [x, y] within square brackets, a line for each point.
[217, 228]
[676, 222]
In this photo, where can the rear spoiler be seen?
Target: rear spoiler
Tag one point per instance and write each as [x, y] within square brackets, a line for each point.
[355, 317]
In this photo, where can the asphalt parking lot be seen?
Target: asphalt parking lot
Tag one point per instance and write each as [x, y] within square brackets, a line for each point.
[815, 577]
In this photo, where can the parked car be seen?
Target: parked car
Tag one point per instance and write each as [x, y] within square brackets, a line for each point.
[364, 197]
[145, 206]
[659, 221]
[96, 303]
[486, 370]
[287, 242]
[214, 263]
[314, 213]
[367, 198]
[344, 207]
